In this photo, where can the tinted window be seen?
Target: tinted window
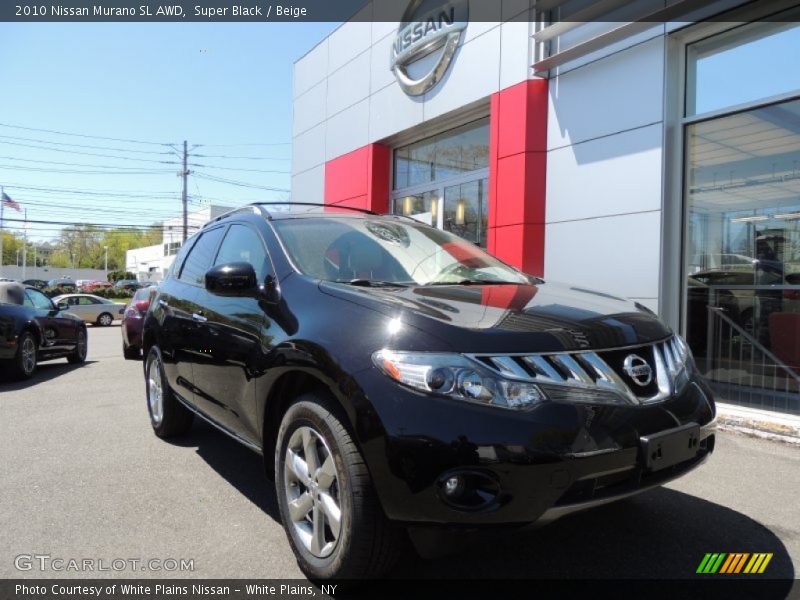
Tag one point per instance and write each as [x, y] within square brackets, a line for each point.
[243, 244]
[37, 299]
[199, 259]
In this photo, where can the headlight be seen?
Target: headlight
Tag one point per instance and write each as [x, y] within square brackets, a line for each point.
[455, 376]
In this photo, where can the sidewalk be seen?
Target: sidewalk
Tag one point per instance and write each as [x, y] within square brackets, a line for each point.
[759, 423]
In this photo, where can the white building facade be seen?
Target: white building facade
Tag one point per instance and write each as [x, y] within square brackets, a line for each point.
[150, 263]
[652, 159]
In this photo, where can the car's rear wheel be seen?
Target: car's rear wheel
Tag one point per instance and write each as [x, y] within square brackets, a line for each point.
[25, 360]
[328, 505]
[105, 320]
[167, 415]
[131, 352]
[78, 355]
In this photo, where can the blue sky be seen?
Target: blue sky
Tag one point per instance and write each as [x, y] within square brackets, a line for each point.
[211, 84]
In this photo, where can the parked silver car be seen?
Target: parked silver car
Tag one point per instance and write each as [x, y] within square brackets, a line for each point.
[92, 309]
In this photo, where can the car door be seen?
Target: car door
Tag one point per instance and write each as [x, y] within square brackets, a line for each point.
[182, 344]
[60, 332]
[235, 332]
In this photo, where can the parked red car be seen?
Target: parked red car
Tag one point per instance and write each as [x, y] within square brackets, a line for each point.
[132, 320]
[97, 285]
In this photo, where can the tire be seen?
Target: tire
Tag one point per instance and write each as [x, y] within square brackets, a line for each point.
[105, 320]
[25, 360]
[167, 415]
[367, 544]
[78, 355]
[131, 352]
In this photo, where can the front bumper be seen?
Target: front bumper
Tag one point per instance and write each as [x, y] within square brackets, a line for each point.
[536, 465]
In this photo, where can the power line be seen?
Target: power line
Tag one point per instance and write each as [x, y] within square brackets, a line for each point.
[78, 172]
[83, 135]
[91, 146]
[282, 158]
[71, 164]
[237, 169]
[239, 183]
[111, 156]
[243, 145]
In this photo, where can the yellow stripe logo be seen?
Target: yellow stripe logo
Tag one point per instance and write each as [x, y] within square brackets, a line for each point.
[734, 563]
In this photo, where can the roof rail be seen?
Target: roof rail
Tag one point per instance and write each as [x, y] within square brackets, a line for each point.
[317, 204]
[246, 208]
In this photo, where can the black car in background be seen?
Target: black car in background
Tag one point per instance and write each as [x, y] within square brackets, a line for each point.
[130, 285]
[33, 329]
[396, 378]
[39, 284]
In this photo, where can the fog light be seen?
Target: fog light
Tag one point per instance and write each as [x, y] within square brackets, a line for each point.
[454, 486]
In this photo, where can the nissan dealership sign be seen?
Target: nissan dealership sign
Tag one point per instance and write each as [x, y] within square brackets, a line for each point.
[427, 39]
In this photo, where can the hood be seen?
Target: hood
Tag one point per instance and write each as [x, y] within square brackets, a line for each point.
[545, 317]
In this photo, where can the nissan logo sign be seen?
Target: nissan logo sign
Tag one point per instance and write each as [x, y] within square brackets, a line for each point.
[638, 370]
[426, 41]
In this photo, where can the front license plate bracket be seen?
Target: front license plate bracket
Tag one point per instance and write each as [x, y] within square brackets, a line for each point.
[667, 448]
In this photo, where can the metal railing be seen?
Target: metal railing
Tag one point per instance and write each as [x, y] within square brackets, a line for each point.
[743, 371]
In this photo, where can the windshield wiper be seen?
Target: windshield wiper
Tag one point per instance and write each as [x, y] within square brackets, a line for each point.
[474, 282]
[372, 283]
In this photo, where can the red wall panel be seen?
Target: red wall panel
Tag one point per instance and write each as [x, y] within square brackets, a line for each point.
[360, 178]
[517, 173]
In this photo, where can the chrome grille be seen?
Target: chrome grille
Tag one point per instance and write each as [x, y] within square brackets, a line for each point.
[598, 376]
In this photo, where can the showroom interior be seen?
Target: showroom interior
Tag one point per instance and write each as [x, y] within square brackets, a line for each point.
[656, 159]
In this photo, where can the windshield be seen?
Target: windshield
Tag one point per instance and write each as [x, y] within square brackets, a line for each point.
[390, 252]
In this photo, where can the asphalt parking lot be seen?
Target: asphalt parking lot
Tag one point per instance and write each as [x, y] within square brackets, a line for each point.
[84, 477]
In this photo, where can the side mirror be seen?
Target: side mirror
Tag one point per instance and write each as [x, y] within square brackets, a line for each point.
[232, 279]
[62, 306]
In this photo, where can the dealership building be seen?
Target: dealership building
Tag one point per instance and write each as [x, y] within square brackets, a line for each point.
[653, 154]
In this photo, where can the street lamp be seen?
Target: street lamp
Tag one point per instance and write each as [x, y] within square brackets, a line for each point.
[17, 261]
[106, 249]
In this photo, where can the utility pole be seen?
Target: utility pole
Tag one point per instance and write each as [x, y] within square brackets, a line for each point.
[185, 174]
[2, 206]
[25, 247]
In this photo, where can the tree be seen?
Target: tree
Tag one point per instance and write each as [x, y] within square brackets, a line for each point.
[11, 243]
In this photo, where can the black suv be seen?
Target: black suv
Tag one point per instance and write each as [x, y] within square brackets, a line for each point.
[397, 377]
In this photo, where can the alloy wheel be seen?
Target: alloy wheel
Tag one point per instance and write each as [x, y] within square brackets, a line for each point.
[155, 391]
[311, 483]
[28, 355]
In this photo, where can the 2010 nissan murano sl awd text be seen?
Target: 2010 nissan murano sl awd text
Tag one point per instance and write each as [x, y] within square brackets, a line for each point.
[395, 377]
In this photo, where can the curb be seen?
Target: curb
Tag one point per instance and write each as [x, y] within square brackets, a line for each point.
[759, 423]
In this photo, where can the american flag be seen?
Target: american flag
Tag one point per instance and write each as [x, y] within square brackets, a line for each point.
[7, 201]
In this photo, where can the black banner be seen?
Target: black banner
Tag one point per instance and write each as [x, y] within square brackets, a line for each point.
[656, 11]
[237, 589]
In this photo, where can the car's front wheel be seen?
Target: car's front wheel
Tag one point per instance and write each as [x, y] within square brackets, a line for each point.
[167, 415]
[328, 506]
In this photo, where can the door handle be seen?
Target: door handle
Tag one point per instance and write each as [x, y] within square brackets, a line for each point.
[198, 317]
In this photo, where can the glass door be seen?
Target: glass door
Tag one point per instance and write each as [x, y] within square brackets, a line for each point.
[466, 211]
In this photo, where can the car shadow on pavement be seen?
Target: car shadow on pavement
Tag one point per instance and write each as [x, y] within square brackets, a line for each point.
[662, 534]
[44, 372]
[243, 468]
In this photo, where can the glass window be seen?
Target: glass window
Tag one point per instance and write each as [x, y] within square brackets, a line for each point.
[200, 256]
[243, 244]
[388, 250]
[443, 156]
[38, 300]
[466, 211]
[423, 207]
[745, 64]
[743, 253]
